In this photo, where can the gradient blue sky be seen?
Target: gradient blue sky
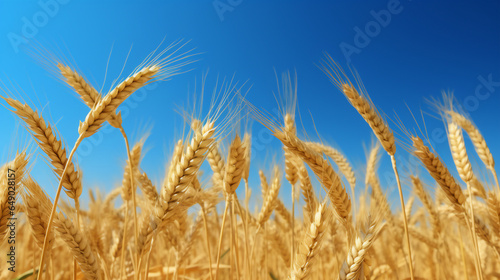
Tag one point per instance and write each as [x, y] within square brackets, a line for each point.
[426, 47]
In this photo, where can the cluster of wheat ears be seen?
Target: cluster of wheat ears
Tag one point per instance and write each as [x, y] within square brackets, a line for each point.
[189, 228]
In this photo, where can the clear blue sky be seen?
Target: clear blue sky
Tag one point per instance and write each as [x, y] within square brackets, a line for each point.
[425, 47]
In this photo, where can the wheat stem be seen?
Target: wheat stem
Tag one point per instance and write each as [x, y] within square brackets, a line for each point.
[207, 240]
[56, 199]
[474, 236]
[132, 182]
[405, 220]
[219, 248]
[122, 258]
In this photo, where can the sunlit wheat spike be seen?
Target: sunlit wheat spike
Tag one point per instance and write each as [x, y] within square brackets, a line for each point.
[79, 247]
[494, 212]
[189, 162]
[269, 201]
[361, 102]
[38, 207]
[477, 138]
[290, 168]
[109, 103]
[247, 142]
[47, 140]
[217, 164]
[457, 146]
[235, 165]
[89, 95]
[263, 182]
[356, 254]
[9, 195]
[426, 201]
[307, 190]
[173, 193]
[339, 159]
[323, 170]
[438, 171]
[148, 189]
[310, 244]
[127, 186]
[87, 92]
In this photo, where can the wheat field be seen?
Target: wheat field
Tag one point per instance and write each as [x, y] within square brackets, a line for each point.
[189, 228]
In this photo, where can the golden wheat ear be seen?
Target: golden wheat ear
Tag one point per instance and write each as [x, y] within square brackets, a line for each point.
[79, 246]
[357, 253]
[448, 108]
[17, 167]
[38, 206]
[47, 139]
[310, 244]
[320, 166]
[360, 100]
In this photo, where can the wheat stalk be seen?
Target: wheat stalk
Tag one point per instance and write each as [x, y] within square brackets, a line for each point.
[107, 105]
[482, 149]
